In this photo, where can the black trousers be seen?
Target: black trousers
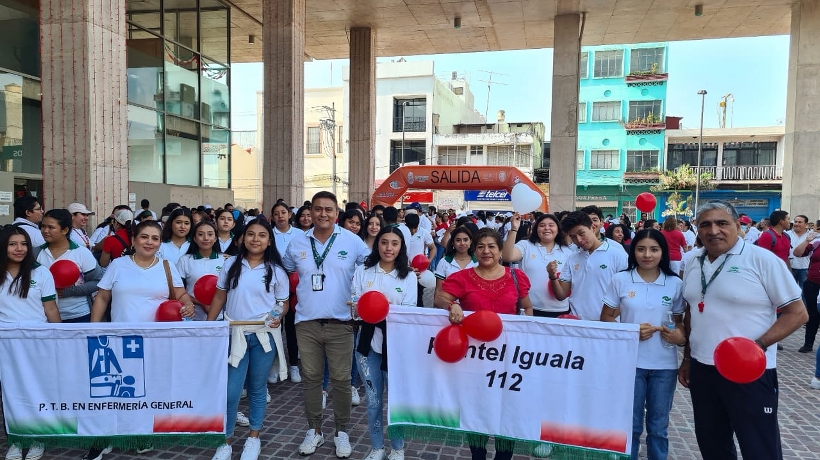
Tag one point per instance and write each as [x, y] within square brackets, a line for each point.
[723, 408]
[290, 337]
[503, 447]
[810, 292]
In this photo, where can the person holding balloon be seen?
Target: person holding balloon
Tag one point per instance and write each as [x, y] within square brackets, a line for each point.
[647, 293]
[488, 286]
[735, 290]
[203, 261]
[75, 270]
[386, 272]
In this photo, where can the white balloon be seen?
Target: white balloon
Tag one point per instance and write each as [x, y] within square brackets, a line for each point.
[525, 199]
[427, 279]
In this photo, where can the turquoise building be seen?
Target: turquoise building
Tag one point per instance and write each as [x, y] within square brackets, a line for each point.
[621, 124]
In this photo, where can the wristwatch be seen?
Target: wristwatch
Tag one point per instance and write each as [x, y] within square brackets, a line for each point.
[761, 345]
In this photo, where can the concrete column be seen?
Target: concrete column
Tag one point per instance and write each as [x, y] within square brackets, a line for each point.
[362, 113]
[85, 118]
[801, 180]
[564, 129]
[283, 164]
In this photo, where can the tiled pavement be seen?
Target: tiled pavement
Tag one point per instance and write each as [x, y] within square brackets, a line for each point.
[285, 425]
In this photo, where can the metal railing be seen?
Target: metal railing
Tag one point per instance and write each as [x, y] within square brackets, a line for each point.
[743, 173]
[411, 124]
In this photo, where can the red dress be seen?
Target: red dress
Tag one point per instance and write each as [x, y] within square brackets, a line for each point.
[474, 293]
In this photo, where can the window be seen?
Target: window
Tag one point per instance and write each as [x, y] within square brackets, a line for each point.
[606, 111]
[410, 115]
[476, 150]
[314, 145]
[452, 155]
[340, 149]
[630, 210]
[580, 160]
[582, 112]
[583, 70]
[605, 159]
[641, 160]
[681, 154]
[499, 155]
[749, 153]
[608, 64]
[641, 110]
[414, 152]
[646, 60]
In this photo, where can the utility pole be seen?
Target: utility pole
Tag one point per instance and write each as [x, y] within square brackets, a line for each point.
[328, 125]
[490, 82]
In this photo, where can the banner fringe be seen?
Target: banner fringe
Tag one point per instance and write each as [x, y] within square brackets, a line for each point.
[537, 449]
[124, 442]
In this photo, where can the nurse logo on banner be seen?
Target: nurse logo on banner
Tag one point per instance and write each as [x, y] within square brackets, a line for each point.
[116, 366]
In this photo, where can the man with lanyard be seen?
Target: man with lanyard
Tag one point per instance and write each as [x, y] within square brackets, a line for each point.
[79, 220]
[735, 289]
[28, 213]
[325, 258]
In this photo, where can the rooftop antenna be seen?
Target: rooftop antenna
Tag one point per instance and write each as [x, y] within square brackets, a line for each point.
[490, 82]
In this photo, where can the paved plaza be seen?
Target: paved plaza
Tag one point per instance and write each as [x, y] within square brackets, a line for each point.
[285, 424]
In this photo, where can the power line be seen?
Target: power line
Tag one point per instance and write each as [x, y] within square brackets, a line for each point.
[490, 82]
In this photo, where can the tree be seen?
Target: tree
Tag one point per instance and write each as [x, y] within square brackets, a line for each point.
[683, 178]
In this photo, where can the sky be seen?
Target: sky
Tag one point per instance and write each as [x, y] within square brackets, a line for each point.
[754, 70]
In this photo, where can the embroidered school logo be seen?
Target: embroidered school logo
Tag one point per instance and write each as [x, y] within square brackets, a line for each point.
[733, 269]
[116, 367]
[398, 289]
[303, 255]
[219, 268]
[632, 294]
[576, 266]
[342, 255]
[532, 256]
[369, 284]
[666, 301]
[603, 266]
[33, 283]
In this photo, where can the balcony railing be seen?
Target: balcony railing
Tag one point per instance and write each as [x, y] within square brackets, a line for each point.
[411, 125]
[743, 173]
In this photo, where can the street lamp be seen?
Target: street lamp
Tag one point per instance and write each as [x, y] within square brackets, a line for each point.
[700, 152]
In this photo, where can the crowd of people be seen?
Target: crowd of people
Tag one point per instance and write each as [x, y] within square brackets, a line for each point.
[671, 278]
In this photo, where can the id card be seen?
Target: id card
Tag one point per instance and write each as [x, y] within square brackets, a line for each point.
[317, 281]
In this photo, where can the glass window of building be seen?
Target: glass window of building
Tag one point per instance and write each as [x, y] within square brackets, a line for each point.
[215, 108]
[215, 28]
[182, 151]
[21, 145]
[630, 209]
[605, 159]
[145, 13]
[476, 150]
[20, 36]
[580, 160]
[215, 165]
[146, 145]
[642, 110]
[452, 155]
[687, 154]
[749, 153]
[608, 64]
[145, 71]
[583, 62]
[606, 111]
[582, 112]
[646, 60]
[500, 155]
[641, 160]
[314, 142]
[180, 21]
[414, 152]
[410, 115]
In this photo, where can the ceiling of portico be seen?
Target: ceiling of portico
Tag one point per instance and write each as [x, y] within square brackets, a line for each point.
[411, 27]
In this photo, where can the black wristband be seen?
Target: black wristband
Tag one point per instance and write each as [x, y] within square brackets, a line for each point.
[760, 344]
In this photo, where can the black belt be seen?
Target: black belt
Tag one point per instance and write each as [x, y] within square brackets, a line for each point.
[334, 321]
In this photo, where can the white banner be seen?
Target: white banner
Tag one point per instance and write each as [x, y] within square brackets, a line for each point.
[566, 382]
[86, 381]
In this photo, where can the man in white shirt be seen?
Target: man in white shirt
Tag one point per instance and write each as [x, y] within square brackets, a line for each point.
[79, 221]
[799, 265]
[28, 213]
[752, 233]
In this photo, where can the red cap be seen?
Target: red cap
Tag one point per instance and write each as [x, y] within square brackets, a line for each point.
[745, 220]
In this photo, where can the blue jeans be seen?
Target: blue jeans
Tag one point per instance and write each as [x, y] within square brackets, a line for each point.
[654, 390]
[800, 275]
[375, 381]
[255, 365]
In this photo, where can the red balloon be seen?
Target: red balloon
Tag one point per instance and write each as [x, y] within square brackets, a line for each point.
[205, 288]
[65, 273]
[645, 202]
[483, 325]
[420, 262]
[740, 360]
[363, 204]
[293, 279]
[373, 307]
[169, 311]
[451, 343]
[568, 316]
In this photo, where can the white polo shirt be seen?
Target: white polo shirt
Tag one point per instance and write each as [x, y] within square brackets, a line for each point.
[192, 267]
[71, 307]
[797, 263]
[752, 234]
[100, 234]
[418, 243]
[404, 231]
[591, 276]
[398, 292]
[642, 302]
[448, 265]
[136, 292]
[534, 260]
[690, 238]
[250, 301]
[78, 236]
[170, 252]
[282, 239]
[224, 245]
[741, 301]
[33, 231]
[345, 253]
[29, 310]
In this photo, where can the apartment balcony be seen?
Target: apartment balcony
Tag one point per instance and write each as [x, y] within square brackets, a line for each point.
[409, 124]
[735, 174]
[646, 79]
[648, 125]
[642, 177]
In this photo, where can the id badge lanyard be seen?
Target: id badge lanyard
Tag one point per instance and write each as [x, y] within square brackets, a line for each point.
[318, 278]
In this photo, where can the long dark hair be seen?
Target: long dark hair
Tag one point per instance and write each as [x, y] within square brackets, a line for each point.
[194, 248]
[402, 262]
[627, 233]
[63, 218]
[168, 231]
[450, 250]
[305, 208]
[351, 214]
[271, 257]
[560, 237]
[652, 234]
[20, 284]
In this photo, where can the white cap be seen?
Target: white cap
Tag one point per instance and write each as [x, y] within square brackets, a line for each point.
[74, 208]
[123, 215]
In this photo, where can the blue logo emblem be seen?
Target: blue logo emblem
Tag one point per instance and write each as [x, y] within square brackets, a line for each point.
[116, 366]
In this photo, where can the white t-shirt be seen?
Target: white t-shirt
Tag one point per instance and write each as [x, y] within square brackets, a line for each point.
[170, 252]
[136, 292]
[71, 307]
[687, 257]
[690, 238]
[448, 265]
[29, 310]
[404, 231]
[191, 268]
[345, 253]
[418, 243]
[99, 235]
[591, 276]
[250, 301]
[642, 302]
[741, 301]
[33, 231]
[797, 262]
[752, 234]
[79, 237]
[534, 260]
[398, 292]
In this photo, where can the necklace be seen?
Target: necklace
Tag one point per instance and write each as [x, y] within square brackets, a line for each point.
[487, 276]
[153, 262]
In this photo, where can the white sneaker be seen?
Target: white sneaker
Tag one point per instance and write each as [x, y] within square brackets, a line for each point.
[312, 442]
[355, 400]
[251, 450]
[242, 419]
[244, 394]
[342, 442]
[35, 452]
[815, 384]
[396, 454]
[324, 399]
[267, 396]
[223, 452]
[273, 375]
[375, 454]
[295, 376]
[14, 453]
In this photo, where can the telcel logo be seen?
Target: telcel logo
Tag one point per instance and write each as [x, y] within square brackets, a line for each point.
[493, 194]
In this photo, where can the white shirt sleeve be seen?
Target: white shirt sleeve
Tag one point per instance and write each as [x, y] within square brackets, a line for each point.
[281, 288]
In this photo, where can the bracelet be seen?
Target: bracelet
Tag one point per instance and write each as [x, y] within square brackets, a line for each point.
[685, 343]
[513, 230]
[761, 345]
